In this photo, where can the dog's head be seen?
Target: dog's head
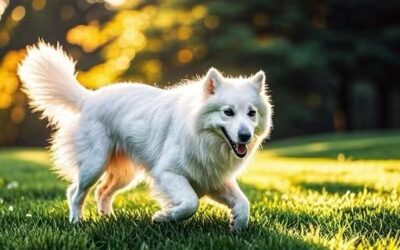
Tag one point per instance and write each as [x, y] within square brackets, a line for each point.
[237, 109]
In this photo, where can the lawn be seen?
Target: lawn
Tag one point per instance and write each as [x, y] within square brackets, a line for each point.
[321, 192]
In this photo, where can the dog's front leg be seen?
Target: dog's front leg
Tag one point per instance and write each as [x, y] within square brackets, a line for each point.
[178, 199]
[232, 196]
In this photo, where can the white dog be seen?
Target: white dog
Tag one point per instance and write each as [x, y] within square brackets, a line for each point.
[191, 139]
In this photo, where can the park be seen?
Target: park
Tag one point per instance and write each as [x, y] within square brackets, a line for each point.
[326, 177]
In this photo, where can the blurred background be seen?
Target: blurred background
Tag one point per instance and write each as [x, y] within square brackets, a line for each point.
[332, 65]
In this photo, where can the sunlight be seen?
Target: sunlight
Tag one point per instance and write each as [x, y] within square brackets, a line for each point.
[38, 4]
[88, 36]
[289, 195]
[115, 3]
[9, 80]
[124, 36]
[327, 175]
[3, 6]
[153, 67]
[268, 171]
[185, 55]
[18, 13]
[32, 155]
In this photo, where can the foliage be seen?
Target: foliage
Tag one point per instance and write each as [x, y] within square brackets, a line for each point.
[331, 64]
[297, 203]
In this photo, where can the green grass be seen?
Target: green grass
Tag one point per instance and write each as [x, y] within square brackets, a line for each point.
[370, 145]
[338, 192]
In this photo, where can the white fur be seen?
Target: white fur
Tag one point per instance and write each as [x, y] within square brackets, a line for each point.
[174, 135]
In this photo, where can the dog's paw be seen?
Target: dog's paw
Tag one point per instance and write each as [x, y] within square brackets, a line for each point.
[160, 216]
[74, 219]
[238, 222]
[106, 213]
[239, 217]
[74, 216]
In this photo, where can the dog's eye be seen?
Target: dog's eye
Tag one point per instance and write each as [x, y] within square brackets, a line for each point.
[251, 113]
[229, 112]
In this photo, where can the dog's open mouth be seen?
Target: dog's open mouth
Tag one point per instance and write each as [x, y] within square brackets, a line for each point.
[240, 150]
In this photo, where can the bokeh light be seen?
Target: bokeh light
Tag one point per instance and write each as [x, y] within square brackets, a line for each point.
[18, 13]
[9, 80]
[211, 22]
[185, 55]
[38, 4]
[115, 3]
[124, 36]
[163, 41]
[3, 6]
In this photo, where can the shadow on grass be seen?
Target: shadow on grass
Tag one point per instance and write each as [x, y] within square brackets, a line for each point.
[42, 192]
[334, 187]
[269, 229]
[380, 222]
[365, 145]
[204, 231]
[210, 232]
[369, 223]
[37, 194]
[135, 231]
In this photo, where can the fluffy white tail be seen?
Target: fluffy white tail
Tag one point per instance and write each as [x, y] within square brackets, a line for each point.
[48, 77]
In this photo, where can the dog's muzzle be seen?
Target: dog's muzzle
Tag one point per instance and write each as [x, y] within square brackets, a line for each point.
[239, 149]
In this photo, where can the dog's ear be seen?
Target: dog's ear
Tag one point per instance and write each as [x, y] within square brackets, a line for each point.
[212, 81]
[258, 81]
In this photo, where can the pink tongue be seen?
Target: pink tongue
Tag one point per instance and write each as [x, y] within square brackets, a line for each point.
[241, 148]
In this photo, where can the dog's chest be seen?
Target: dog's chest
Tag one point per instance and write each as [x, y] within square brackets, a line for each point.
[208, 177]
[208, 164]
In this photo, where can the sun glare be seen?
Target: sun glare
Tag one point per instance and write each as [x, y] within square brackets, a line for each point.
[3, 6]
[115, 3]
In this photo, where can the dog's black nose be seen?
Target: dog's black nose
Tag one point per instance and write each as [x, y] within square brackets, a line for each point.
[244, 134]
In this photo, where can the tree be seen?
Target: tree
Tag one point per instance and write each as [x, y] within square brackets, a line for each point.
[326, 61]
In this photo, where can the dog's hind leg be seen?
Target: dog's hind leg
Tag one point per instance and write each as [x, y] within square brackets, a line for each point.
[94, 147]
[70, 192]
[120, 172]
